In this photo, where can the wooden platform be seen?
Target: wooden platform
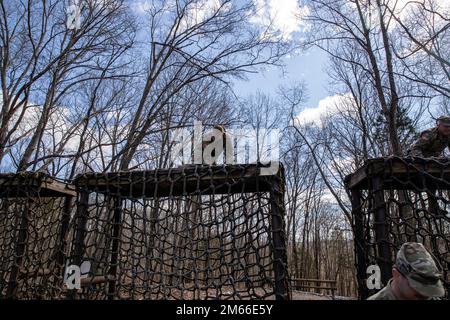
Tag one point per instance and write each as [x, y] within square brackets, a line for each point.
[402, 173]
[186, 179]
[33, 184]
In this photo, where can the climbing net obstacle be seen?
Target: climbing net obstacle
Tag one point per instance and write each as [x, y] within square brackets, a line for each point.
[192, 232]
[35, 214]
[395, 200]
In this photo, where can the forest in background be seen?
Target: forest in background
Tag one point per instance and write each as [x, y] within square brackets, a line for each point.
[106, 95]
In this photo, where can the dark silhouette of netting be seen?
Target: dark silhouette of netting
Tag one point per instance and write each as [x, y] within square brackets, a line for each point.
[194, 232]
[396, 200]
[34, 225]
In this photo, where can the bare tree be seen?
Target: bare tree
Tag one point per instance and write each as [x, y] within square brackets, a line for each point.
[423, 29]
[186, 46]
[43, 62]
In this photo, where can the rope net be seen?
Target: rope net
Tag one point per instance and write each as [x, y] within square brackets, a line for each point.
[194, 232]
[33, 227]
[396, 200]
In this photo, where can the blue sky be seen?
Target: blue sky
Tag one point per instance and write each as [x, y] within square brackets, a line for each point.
[307, 67]
[286, 20]
[286, 17]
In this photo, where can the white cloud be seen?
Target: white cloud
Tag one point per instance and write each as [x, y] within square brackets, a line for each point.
[142, 6]
[204, 9]
[403, 9]
[284, 17]
[326, 107]
[402, 6]
[201, 10]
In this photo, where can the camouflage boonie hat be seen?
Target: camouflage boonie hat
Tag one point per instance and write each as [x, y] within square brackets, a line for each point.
[418, 266]
[445, 120]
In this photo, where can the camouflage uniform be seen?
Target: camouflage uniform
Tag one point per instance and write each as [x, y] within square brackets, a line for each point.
[418, 266]
[384, 294]
[429, 144]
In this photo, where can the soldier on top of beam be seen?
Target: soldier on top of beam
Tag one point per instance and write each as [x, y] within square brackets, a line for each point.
[432, 142]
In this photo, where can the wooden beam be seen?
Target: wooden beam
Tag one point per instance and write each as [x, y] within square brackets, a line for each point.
[314, 280]
[315, 287]
[33, 184]
[202, 179]
[402, 173]
[96, 280]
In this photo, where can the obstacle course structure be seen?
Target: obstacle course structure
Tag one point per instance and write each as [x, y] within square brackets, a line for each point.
[34, 225]
[193, 232]
[395, 200]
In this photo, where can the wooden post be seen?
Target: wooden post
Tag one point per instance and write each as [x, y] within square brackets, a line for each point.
[116, 224]
[81, 217]
[384, 258]
[282, 291]
[21, 242]
[359, 243]
[435, 212]
[62, 241]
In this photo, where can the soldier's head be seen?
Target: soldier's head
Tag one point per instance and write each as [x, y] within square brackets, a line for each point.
[415, 274]
[443, 124]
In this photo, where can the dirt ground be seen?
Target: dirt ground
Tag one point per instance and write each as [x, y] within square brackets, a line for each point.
[299, 295]
[228, 294]
[224, 293]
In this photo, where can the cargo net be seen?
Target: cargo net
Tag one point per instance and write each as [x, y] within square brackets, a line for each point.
[195, 232]
[396, 200]
[34, 217]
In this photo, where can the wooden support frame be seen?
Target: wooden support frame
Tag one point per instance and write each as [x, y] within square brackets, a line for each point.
[370, 189]
[198, 179]
[28, 188]
[33, 184]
